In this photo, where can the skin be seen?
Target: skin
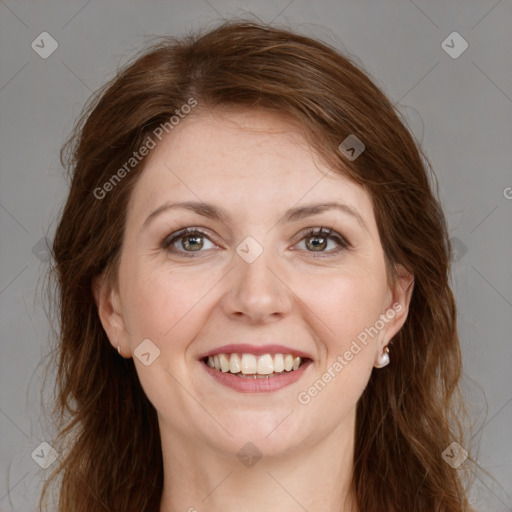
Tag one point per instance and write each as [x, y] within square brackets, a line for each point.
[255, 165]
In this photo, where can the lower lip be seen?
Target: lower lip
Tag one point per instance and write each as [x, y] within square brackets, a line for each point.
[251, 385]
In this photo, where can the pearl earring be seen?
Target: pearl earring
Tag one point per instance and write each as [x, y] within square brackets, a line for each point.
[118, 349]
[383, 359]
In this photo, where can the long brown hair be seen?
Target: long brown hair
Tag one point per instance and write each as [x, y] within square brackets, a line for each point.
[407, 416]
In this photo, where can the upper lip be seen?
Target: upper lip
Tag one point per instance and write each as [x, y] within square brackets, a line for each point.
[257, 350]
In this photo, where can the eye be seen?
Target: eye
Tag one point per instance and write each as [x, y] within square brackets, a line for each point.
[317, 240]
[188, 240]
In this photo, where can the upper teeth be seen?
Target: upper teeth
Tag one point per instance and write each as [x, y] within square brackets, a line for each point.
[251, 364]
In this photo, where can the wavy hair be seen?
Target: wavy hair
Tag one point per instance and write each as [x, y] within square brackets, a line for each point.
[408, 414]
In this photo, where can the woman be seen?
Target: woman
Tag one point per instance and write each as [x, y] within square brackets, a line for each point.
[253, 288]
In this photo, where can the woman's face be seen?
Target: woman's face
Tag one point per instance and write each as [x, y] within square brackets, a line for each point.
[253, 276]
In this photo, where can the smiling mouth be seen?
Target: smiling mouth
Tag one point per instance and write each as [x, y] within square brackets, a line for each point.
[250, 366]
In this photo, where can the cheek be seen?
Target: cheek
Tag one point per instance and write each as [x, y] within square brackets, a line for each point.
[163, 305]
[345, 308]
[346, 302]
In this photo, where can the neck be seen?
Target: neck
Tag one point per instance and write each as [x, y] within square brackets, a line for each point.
[316, 478]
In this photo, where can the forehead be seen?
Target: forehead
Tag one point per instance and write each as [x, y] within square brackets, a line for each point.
[244, 161]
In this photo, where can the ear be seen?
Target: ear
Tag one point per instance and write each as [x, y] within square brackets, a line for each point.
[399, 301]
[110, 314]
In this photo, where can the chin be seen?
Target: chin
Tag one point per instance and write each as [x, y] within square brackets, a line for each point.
[266, 430]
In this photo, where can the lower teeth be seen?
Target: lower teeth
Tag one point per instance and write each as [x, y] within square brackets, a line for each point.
[256, 375]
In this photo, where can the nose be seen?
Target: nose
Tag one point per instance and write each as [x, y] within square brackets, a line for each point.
[257, 291]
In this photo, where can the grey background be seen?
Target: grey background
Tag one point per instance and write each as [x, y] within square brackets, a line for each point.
[459, 108]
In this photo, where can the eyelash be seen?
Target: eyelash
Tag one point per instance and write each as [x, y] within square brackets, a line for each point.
[311, 232]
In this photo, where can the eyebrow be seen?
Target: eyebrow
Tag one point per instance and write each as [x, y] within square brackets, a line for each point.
[293, 214]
